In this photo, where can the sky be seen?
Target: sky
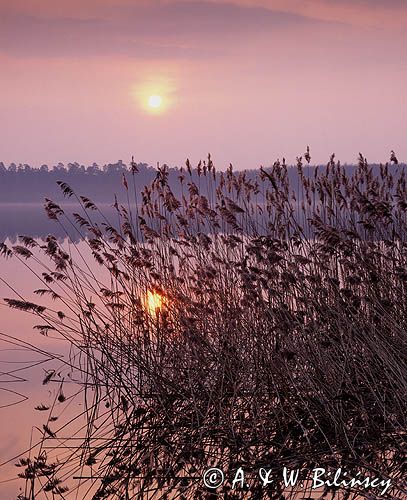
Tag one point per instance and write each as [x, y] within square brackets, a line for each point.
[248, 81]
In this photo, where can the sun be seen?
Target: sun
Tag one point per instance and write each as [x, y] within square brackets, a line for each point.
[155, 95]
[155, 101]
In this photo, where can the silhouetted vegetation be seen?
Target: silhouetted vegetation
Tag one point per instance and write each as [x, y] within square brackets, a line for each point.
[248, 321]
[23, 184]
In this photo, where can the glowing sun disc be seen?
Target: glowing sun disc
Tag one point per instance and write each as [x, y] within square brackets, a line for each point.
[155, 101]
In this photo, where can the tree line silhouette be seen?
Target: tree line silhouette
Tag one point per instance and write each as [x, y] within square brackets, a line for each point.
[25, 184]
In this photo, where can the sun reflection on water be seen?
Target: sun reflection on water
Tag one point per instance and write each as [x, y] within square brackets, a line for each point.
[154, 302]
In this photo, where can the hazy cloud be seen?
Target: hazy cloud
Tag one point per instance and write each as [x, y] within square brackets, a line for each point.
[384, 13]
[166, 30]
[171, 28]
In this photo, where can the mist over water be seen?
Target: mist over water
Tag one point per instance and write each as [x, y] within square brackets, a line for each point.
[30, 219]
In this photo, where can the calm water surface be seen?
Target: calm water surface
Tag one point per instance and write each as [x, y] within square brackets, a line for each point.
[22, 370]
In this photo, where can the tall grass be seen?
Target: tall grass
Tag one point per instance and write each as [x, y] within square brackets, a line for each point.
[247, 323]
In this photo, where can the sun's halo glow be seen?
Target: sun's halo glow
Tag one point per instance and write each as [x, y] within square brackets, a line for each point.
[155, 96]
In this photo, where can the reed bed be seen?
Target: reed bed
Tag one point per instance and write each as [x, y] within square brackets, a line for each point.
[248, 322]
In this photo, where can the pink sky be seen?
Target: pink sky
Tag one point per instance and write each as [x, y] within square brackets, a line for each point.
[248, 81]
